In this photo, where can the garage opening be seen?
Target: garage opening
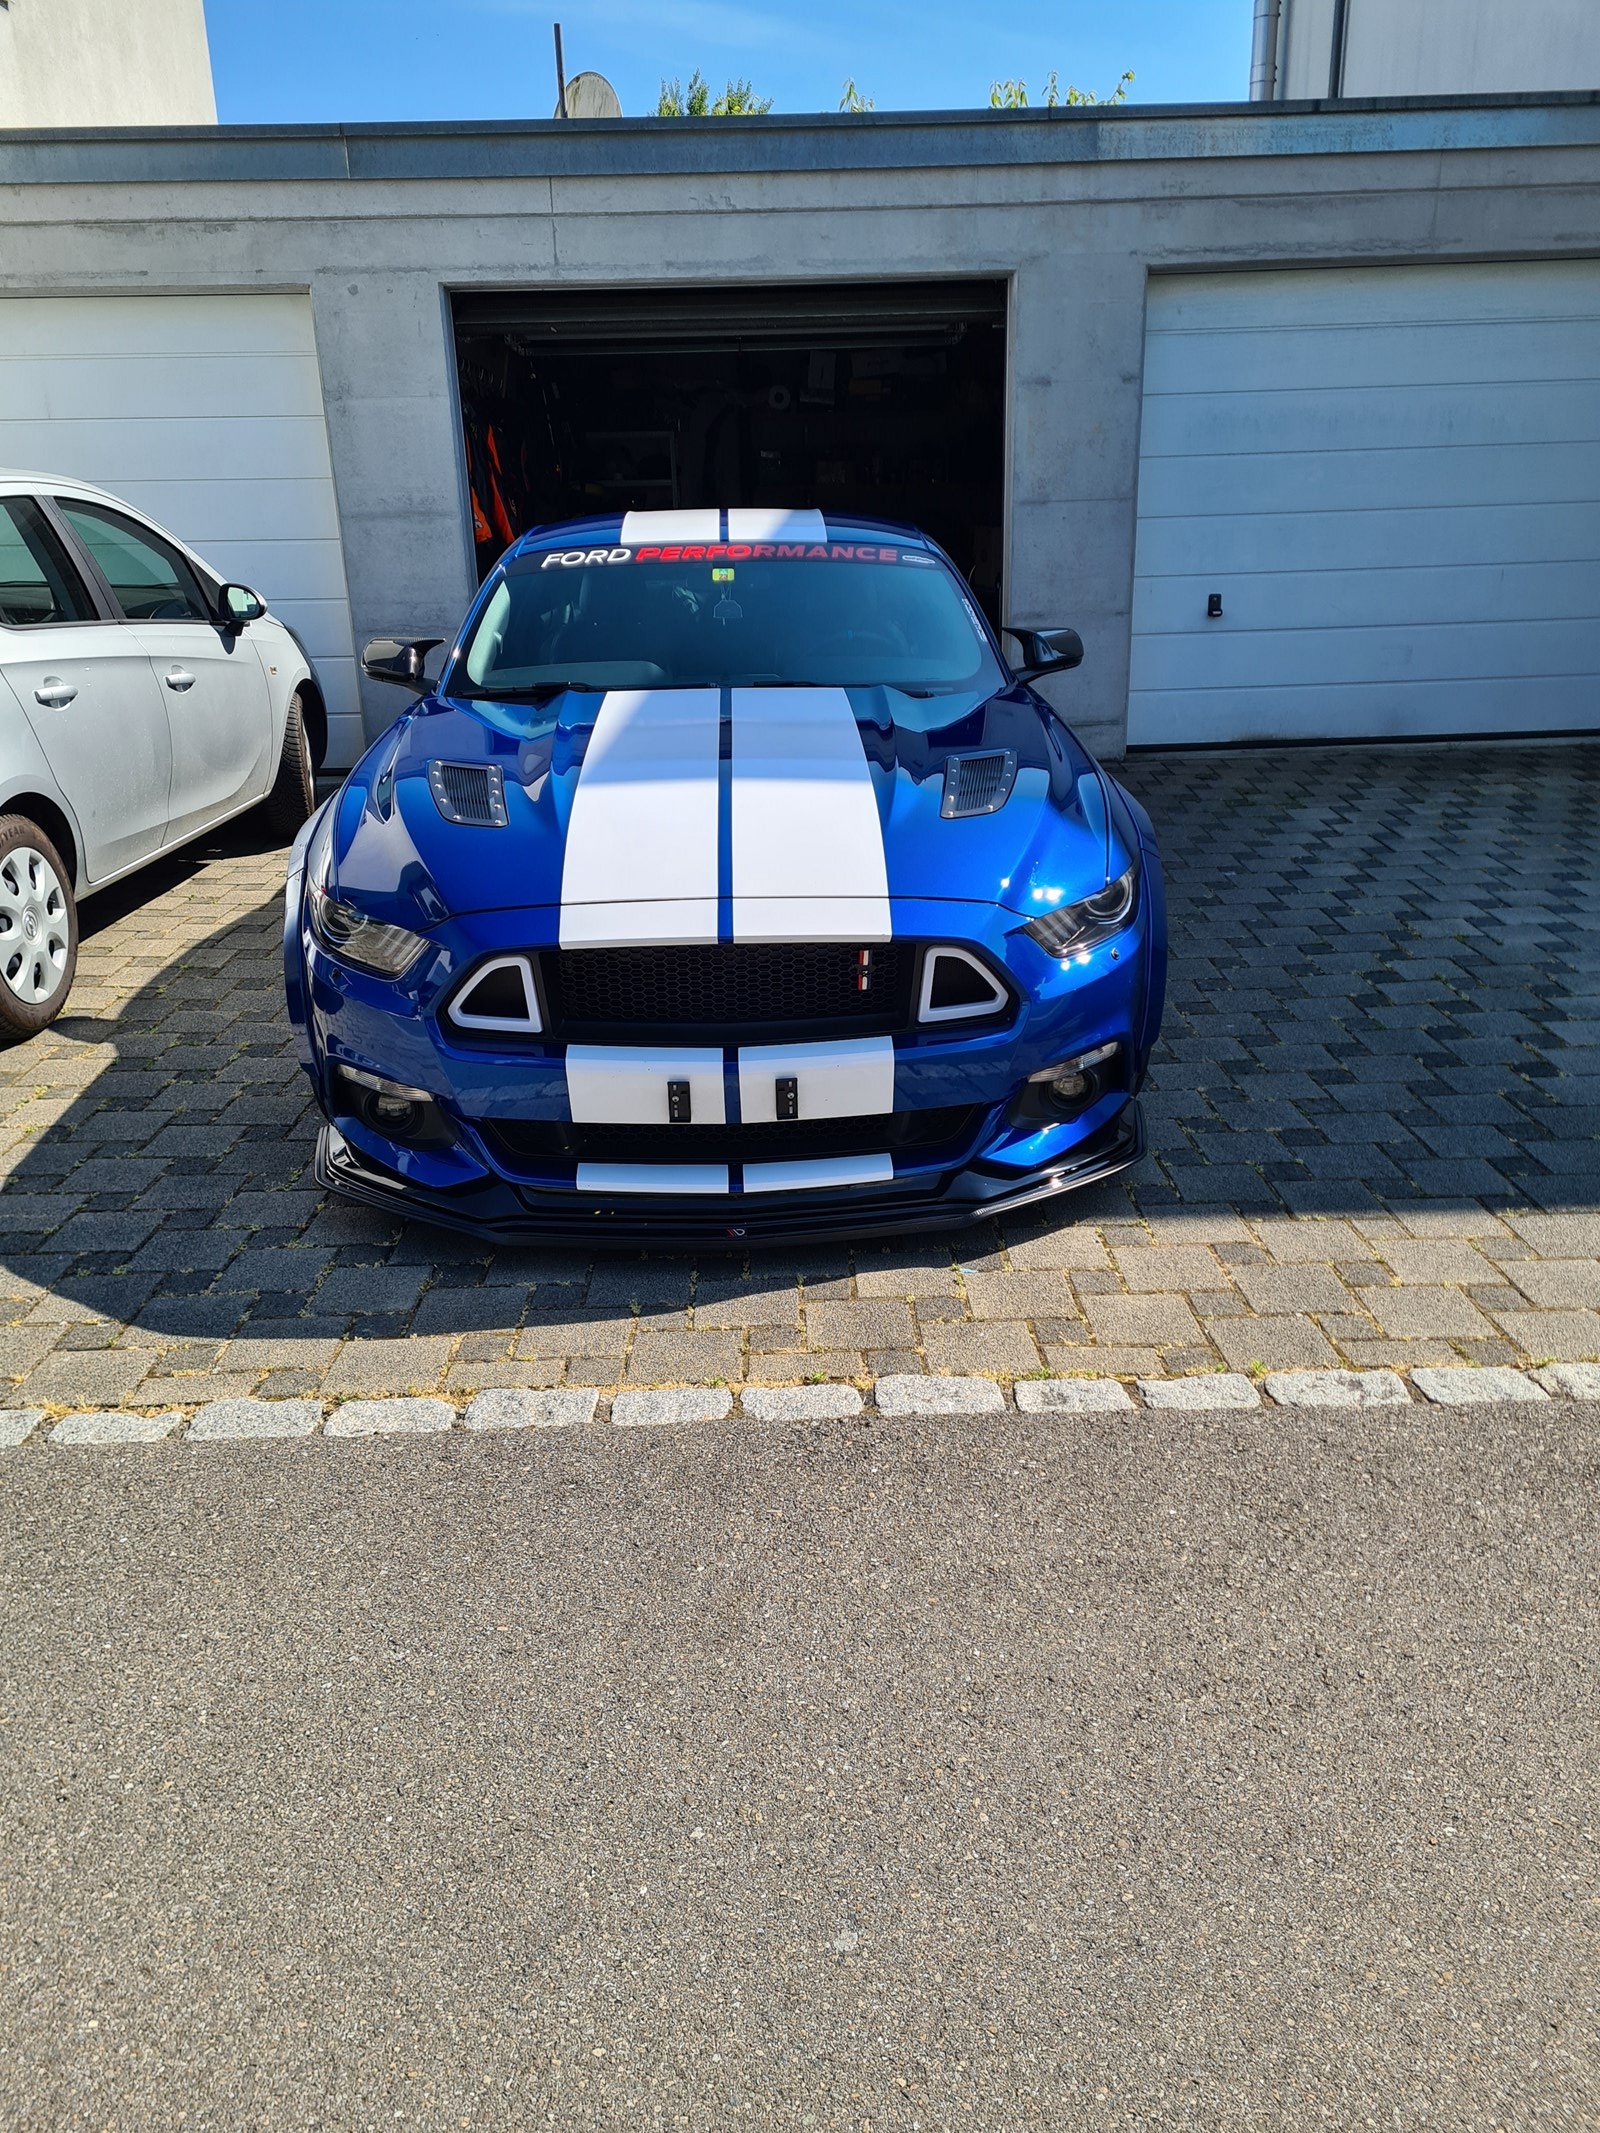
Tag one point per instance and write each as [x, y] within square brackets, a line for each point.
[888, 402]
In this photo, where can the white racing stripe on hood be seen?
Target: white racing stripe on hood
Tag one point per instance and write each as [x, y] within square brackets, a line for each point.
[808, 859]
[639, 527]
[753, 525]
[641, 857]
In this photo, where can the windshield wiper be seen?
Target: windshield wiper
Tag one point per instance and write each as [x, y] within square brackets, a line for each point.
[539, 692]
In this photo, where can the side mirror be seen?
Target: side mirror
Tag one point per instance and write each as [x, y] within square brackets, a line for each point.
[239, 605]
[400, 661]
[1047, 652]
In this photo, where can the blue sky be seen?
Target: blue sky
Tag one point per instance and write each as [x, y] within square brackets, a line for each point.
[446, 59]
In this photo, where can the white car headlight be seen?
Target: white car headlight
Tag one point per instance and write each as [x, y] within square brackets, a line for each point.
[389, 951]
[1076, 928]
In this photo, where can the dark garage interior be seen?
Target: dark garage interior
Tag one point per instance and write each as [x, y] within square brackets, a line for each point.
[889, 401]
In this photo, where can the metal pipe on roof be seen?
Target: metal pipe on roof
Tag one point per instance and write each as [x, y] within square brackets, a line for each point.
[1264, 51]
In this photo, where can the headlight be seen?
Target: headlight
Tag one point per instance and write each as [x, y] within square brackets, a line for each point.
[355, 938]
[1076, 928]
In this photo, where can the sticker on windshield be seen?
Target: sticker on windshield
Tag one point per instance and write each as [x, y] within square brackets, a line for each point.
[726, 552]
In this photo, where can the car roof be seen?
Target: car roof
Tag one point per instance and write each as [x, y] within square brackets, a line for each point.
[17, 481]
[607, 528]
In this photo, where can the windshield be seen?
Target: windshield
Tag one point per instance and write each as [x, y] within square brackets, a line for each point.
[734, 614]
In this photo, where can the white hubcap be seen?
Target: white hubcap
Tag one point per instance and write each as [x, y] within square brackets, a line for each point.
[33, 925]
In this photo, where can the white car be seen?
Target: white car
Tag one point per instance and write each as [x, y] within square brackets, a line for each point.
[143, 700]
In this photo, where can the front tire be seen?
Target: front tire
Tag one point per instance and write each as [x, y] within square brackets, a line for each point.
[294, 792]
[38, 929]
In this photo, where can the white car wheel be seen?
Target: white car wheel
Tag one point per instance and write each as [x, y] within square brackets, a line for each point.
[38, 929]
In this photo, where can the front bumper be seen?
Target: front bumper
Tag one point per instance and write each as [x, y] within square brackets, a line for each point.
[524, 1214]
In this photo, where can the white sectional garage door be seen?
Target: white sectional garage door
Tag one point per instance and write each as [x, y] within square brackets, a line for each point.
[1391, 476]
[206, 412]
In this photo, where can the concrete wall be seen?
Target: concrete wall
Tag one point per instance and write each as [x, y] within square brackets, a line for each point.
[1076, 209]
[1440, 47]
[105, 63]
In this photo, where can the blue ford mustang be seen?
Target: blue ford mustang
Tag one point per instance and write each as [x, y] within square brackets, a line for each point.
[728, 885]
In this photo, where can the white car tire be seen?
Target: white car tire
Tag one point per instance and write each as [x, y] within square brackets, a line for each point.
[294, 791]
[38, 929]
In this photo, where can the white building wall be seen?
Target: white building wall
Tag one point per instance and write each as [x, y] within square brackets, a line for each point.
[105, 63]
[1438, 47]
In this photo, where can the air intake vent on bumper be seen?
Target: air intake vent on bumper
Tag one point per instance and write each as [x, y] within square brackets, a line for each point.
[469, 793]
[500, 995]
[978, 784]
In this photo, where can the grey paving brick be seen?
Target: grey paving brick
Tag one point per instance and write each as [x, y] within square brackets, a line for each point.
[236, 1418]
[800, 1403]
[524, 1409]
[1549, 1336]
[1440, 1260]
[1556, 1284]
[642, 1285]
[685, 1357]
[1413, 1313]
[1279, 1343]
[1475, 1388]
[291, 1271]
[1148, 1321]
[1311, 1241]
[1040, 1293]
[88, 1379]
[400, 1366]
[1272, 1289]
[371, 1289]
[779, 1366]
[731, 1305]
[1165, 1268]
[647, 1410]
[390, 1418]
[1006, 1348]
[876, 1324]
[1070, 1359]
[1072, 1396]
[605, 1333]
[903, 1395]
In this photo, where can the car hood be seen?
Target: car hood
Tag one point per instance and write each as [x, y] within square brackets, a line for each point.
[830, 799]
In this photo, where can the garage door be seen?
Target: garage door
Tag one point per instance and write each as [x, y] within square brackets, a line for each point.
[206, 412]
[1391, 477]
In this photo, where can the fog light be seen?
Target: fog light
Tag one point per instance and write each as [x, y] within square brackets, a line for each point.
[1072, 1085]
[392, 1109]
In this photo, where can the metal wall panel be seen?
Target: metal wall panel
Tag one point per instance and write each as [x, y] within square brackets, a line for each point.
[1391, 475]
[206, 412]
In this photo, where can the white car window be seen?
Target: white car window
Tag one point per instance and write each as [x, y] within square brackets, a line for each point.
[37, 583]
[151, 581]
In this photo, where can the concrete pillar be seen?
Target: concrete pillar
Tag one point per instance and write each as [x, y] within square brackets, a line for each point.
[1077, 357]
[388, 384]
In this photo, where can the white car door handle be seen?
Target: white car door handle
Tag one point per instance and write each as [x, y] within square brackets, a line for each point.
[53, 692]
[179, 679]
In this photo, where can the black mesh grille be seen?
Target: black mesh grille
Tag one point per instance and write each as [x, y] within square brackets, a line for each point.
[469, 793]
[521, 1141]
[715, 992]
[977, 784]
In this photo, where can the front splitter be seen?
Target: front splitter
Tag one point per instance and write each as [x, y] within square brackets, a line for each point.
[507, 1214]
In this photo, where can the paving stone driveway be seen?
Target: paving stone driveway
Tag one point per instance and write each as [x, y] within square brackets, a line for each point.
[1374, 1125]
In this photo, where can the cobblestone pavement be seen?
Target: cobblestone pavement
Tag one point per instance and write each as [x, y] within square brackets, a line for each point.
[1375, 1134]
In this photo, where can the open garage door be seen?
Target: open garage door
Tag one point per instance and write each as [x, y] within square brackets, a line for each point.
[206, 412]
[888, 401]
[1391, 478]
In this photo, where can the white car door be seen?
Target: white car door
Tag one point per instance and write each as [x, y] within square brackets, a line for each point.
[214, 687]
[85, 687]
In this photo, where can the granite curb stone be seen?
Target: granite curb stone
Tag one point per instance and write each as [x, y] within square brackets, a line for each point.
[1475, 1388]
[17, 1425]
[114, 1428]
[397, 1417]
[1223, 1389]
[1337, 1388]
[651, 1410]
[1072, 1396]
[938, 1396]
[512, 1407]
[800, 1403]
[228, 1419]
[1577, 1381]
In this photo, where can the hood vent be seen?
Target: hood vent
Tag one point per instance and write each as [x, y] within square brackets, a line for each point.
[978, 784]
[473, 794]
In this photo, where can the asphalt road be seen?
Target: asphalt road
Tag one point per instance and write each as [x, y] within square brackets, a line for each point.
[1224, 1773]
